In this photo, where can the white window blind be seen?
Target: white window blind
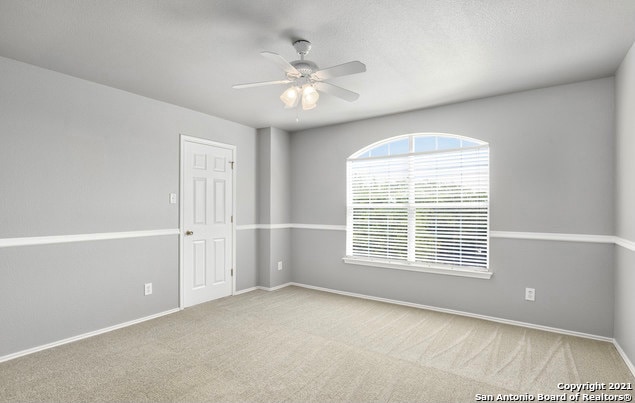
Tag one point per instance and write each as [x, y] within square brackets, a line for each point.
[427, 208]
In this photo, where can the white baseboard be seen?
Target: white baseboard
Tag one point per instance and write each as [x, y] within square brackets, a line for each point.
[84, 336]
[258, 287]
[627, 360]
[450, 311]
[274, 288]
[246, 290]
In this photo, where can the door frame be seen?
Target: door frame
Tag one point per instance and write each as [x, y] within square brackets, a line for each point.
[183, 139]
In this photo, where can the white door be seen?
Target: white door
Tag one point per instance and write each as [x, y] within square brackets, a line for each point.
[206, 222]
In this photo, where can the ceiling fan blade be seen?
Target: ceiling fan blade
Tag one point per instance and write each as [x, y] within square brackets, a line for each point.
[339, 92]
[282, 63]
[339, 70]
[260, 84]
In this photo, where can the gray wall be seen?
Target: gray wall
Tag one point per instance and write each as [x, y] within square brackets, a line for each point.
[273, 206]
[280, 203]
[551, 171]
[569, 294]
[79, 158]
[52, 292]
[551, 157]
[625, 205]
[246, 259]
[263, 142]
[625, 301]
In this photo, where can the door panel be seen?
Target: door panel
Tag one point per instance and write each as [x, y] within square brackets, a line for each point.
[207, 208]
[199, 201]
[219, 202]
[219, 264]
[200, 263]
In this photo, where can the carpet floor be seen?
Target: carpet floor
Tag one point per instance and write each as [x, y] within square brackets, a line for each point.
[301, 345]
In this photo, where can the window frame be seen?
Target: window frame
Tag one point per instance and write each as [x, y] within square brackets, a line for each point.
[426, 267]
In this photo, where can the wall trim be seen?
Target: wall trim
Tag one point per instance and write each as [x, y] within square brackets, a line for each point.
[539, 236]
[274, 288]
[550, 236]
[277, 226]
[45, 240]
[625, 243]
[450, 311]
[263, 226]
[248, 226]
[627, 360]
[259, 287]
[327, 227]
[246, 290]
[85, 335]
[547, 236]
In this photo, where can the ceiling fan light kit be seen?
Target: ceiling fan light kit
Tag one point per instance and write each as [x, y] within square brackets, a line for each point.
[310, 97]
[290, 97]
[307, 93]
[306, 78]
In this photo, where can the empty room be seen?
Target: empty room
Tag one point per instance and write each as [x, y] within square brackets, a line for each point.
[317, 201]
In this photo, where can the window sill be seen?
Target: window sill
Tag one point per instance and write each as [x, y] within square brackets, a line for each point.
[419, 267]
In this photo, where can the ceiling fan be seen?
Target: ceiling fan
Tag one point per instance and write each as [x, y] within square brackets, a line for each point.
[307, 79]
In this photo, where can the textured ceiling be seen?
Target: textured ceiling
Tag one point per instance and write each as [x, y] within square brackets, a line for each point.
[418, 53]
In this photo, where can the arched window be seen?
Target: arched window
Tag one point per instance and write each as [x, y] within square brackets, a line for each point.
[419, 201]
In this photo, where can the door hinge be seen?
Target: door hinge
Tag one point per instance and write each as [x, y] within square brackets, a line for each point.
[232, 163]
[232, 218]
[232, 272]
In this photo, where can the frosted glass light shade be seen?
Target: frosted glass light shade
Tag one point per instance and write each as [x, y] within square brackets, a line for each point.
[310, 97]
[290, 97]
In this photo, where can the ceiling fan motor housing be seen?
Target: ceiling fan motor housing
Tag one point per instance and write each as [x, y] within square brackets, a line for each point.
[305, 67]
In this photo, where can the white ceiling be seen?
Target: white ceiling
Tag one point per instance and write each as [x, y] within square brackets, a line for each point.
[419, 53]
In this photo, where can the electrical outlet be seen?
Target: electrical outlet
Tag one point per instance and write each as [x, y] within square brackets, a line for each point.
[172, 198]
[530, 294]
[147, 289]
[280, 265]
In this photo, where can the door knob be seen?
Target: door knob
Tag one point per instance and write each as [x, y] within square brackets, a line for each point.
[189, 232]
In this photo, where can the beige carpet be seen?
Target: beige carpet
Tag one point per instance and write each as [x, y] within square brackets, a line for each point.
[300, 345]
